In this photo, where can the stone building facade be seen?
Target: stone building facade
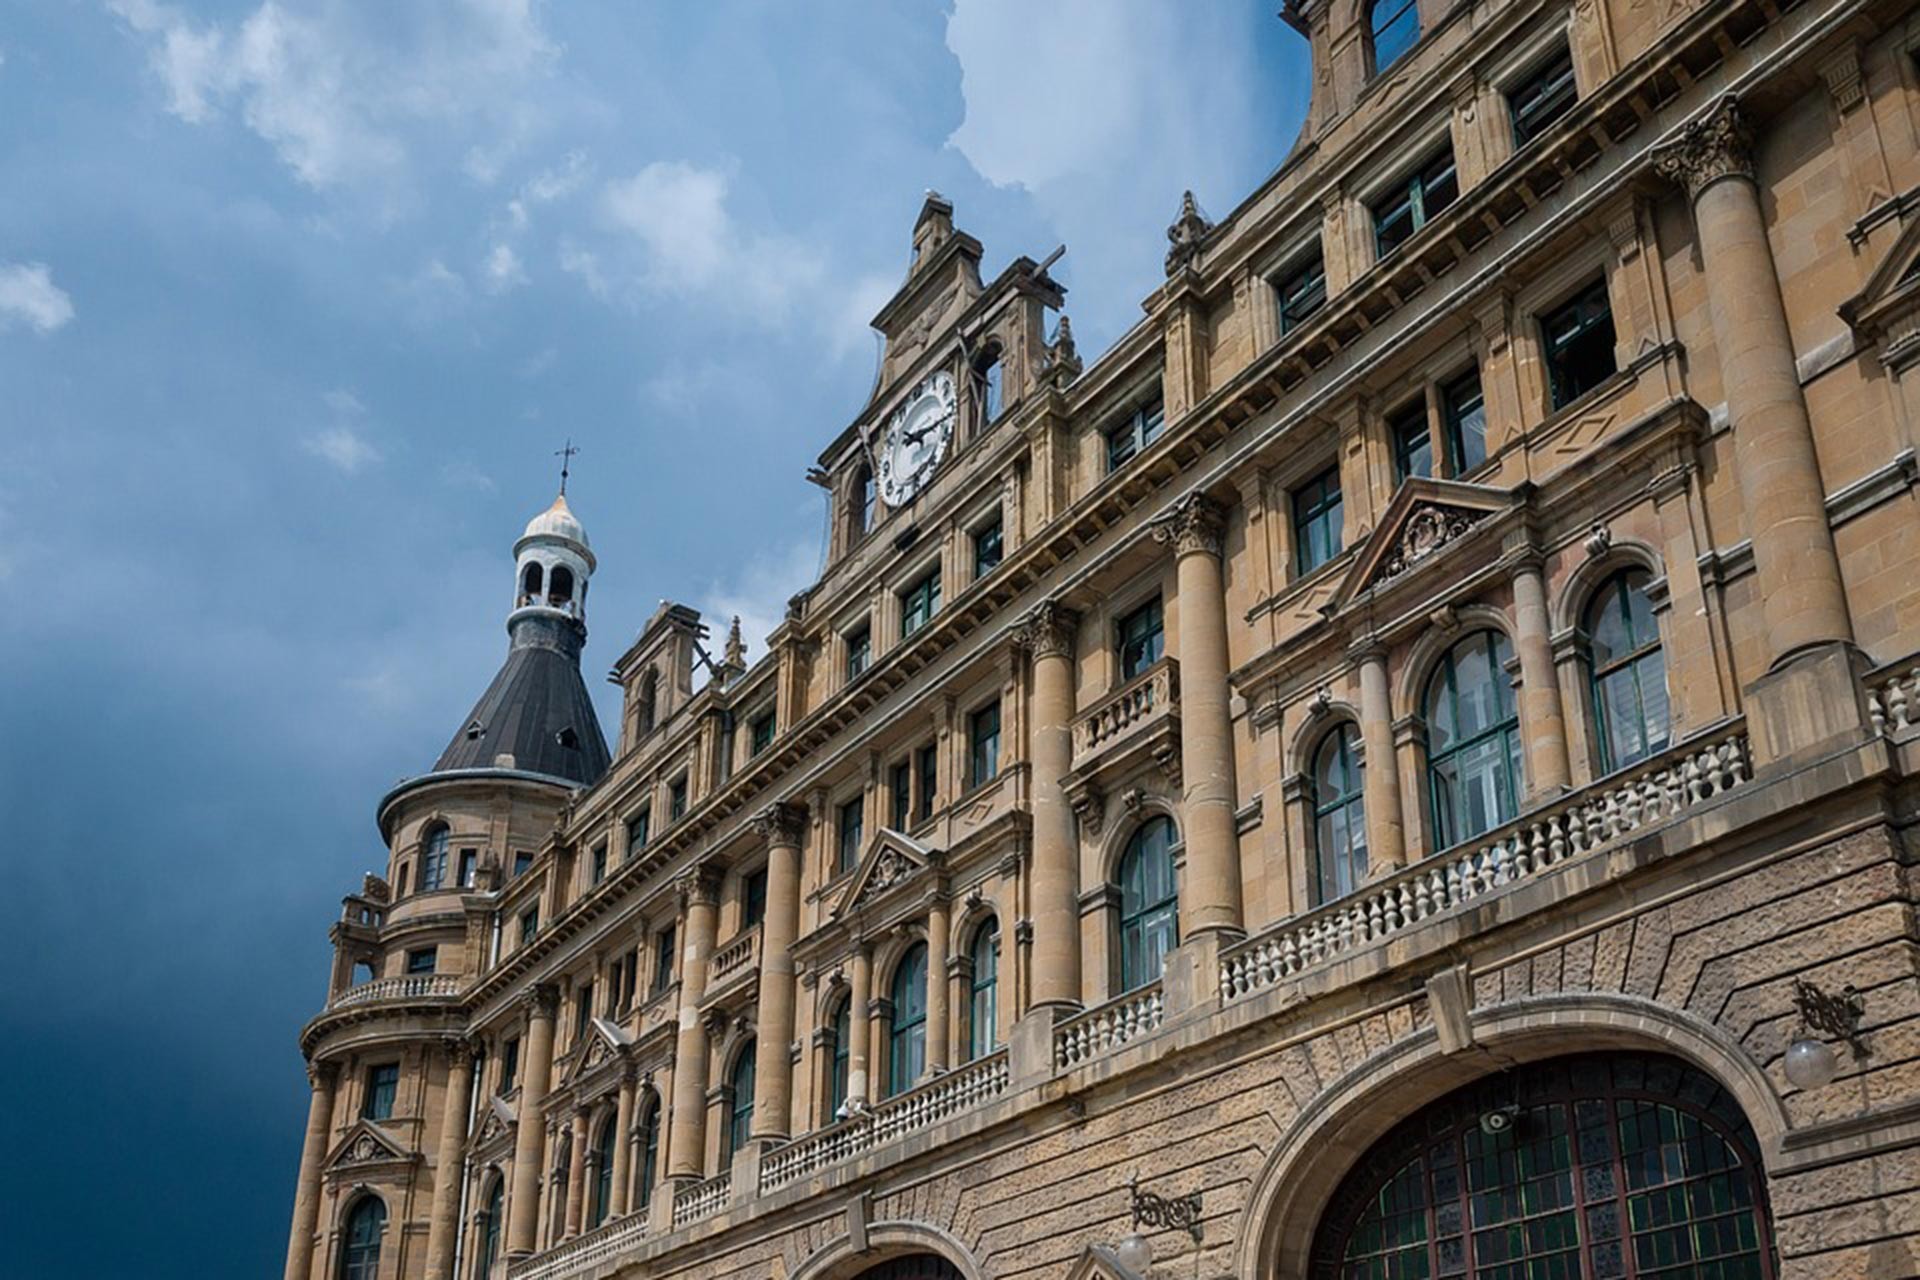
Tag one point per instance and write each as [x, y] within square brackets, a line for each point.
[1402, 767]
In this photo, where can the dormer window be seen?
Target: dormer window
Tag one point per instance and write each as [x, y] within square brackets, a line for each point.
[568, 738]
[1395, 26]
[1415, 202]
[1140, 428]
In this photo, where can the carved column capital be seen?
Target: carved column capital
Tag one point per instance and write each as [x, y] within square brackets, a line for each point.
[699, 886]
[780, 823]
[322, 1074]
[460, 1051]
[1047, 630]
[1193, 526]
[1713, 147]
[542, 1000]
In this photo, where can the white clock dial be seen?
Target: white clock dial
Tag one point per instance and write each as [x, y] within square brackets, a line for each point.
[917, 438]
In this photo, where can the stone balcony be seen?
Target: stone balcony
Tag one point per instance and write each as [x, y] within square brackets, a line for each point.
[734, 965]
[1141, 716]
[419, 986]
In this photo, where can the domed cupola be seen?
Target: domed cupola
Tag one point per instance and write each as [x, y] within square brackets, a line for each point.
[552, 562]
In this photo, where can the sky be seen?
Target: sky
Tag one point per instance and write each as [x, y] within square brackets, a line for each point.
[297, 301]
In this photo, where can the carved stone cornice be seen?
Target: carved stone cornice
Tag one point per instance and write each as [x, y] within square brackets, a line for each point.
[780, 823]
[1193, 526]
[1713, 147]
[1047, 630]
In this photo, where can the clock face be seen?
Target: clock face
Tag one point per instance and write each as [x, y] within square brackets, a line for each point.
[917, 438]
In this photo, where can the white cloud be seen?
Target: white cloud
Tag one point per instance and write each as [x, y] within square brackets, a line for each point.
[585, 264]
[758, 595]
[462, 473]
[29, 296]
[341, 444]
[503, 270]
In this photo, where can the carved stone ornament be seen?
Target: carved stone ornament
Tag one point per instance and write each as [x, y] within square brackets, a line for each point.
[1427, 529]
[322, 1073]
[1090, 807]
[890, 869]
[1185, 235]
[780, 823]
[700, 887]
[1714, 147]
[460, 1050]
[542, 1001]
[1598, 540]
[365, 1149]
[1193, 526]
[1047, 630]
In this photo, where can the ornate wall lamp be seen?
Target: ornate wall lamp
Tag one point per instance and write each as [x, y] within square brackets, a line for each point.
[1134, 1251]
[1811, 1061]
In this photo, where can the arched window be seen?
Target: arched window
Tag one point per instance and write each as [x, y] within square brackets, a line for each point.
[842, 1051]
[1600, 1167]
[649, 700]
[1339, 815]
[983, 1009]
[433, 858]
[1629, 672]
[915, 1266]
[530, 583]
[1473, 740]
[649, 1152]
[603, 1169]
[740, 1105]
[1149, 904]
[907, 1056]
[987, 374]
[490, 1229]
[360, 1242]
[1396, 29]
[560, 586]
[861, 501]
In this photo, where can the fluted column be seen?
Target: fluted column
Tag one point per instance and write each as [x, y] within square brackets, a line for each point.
[523, 1213]
[779, 825]
[699, 896]
[443, 1229]
[938, 1031]
[1380, 780]
[623, 1145]
[1802, 597]
[1210, 899]
[576, 1174]
[324, 1077]
[1543, 722]
[1047, 635]
[859, 1018]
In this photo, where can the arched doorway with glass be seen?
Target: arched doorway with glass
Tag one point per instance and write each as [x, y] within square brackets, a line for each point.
[1608, 1166]
[914, 1266]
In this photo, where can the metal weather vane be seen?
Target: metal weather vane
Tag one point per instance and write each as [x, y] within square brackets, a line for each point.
[566, 461]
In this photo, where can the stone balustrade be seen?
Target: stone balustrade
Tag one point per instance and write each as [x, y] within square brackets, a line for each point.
[1147, 699]
[583, 1253]
[701, 1200]
[1660, 790]
[418, 986]
[1106, 1027]
[918, 1108]
[737, 956]
[1893, 698]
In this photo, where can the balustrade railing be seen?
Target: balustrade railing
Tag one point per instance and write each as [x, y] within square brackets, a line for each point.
[1893, 698]
[1108, 1026]
[702, 1200]
[1664, 788]
[583, 1252]
[919, 1108]
[1154, 692]
[419, 986]
[735, 956]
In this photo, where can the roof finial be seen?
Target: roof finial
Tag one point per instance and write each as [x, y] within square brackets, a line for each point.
[566, 460]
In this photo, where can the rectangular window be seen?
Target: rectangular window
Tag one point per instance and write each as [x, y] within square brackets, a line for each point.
[599, 863]
[1140, 428]
[529, 925]
[1466, 415]
[983, 745]
[991, 391]
[383, 1082]
[760, 735]
[1303, 291]
[469, 864]
[638, 829]
[918, 604]
[423, 960]
[433, 864]
[753, 898]
[1412, 443]
[1142, 638]
[509, 1064]
[851, 816]
[1316, 521]
[521, 861]
[859, 651]
[987, 548]
[1579, 342]
[1414, 203]
[663, 960]
[901, 785]
[583, 1011]
[927, 765]
[1396, 29]
[677, 798]
[1542, 98]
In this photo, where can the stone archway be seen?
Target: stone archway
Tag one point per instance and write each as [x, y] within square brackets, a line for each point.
[913, 1266]
[891, 1250]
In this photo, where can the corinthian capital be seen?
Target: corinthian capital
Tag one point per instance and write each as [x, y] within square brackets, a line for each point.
[542, 1001]
[780, 823]
[700, 887]
[1047, 630]
[1194, 525]
[1713, 147]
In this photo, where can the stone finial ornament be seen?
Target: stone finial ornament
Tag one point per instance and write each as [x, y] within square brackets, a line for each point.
[736, 652]
[1062, 364]
[1186, 234]
[1716, 146]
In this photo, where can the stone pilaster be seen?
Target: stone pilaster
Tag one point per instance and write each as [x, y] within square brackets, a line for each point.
[443, 1228]
[780, 825]
[1047, 634]
[623, 1144]
[1380, 781]
[1543, 720]
[523, 1212]
[859, 1015]
[687, 1135]
[324, 1078]
[938, 1019]
[576, 1174]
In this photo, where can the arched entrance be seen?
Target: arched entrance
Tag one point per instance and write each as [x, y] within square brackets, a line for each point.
[915, 1266]
[1606, 1166]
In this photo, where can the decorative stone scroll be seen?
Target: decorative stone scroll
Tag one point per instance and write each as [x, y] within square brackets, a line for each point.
[1713, 147]
[1427, 529]
[1193, 526]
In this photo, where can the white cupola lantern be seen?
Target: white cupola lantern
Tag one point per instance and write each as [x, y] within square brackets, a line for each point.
[552, 562]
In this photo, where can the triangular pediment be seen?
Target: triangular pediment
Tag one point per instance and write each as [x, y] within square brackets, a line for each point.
[1423, 519]
[1098, 1262]
[891, 859]
[605, 1042]
[366, 1144]
[1887, 308]
[496, 1122]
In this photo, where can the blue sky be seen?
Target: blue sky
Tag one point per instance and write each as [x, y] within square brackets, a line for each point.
[297, 300]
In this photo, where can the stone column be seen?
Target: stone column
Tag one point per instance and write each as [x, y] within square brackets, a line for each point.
[576, 1175]
[1543, 722]
[1380, 779]
[938, 1031]
[859, 1012]
[1210, 899]
[623, 1145]
[779, 825]
[536, 1068]
[325, 1079]
[1782, 499]
[1047, 634]
[448, 1171]
[687, 1138]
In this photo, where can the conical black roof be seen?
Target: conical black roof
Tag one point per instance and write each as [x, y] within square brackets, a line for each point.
[536, 710]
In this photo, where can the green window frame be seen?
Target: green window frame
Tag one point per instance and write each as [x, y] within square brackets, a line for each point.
[1301, 291]
[983, 994]
[639, 827]
[852, 819]
[603, 1145]
[837, 1071]
[490, 1232]
[1414, 203]
[1339, 815]
[1627, 671]
[360, 1242]
[424, 960]
[1141, 637]
[649, 1151]
[919, 602]
[859, 651]
[753, 898]
[1578, 338]
[599, 863]
[1412, 442]
[1474, 774]
[740, 1087]
[433, 858]
[983, 745]
[1464, 410]
[1316, 521]
[383, 1085]
[529, 925]
[677, 793]
[760, 733]
[900, 785]
[1140, 428]
[988, 547]
[1546, 95]
[927, 765]
[907, 1037]
[662, 960]
[1149, 903]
